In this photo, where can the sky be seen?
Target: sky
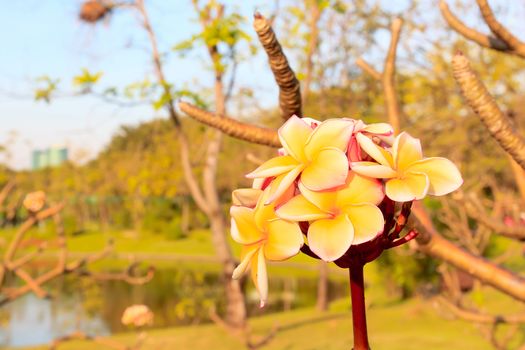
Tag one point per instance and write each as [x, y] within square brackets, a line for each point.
[45, 38]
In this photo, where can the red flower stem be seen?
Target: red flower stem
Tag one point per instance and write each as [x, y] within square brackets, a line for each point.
[357, 290]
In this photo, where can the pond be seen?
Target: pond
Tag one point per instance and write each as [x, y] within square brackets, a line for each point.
[177, 297]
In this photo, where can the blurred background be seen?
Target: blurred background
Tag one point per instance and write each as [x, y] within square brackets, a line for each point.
[88, 108]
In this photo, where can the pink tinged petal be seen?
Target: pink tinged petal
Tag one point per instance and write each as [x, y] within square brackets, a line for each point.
[246, 256]
[406, 150]
[359, 189]
[326, 201]
[300, 209]
[258, 183]
[378, 128]
[328, 170]
[273, 167]
[260, 277]
[331, 238]
[246, 197]
[367, 220]
[378, 153]
[293, 135]
[313, 123]
[443, 175]
[243, 227]
[354, 151]
[372, 169]
[282, 184]
[411, 187]
[331, 133]
[284, 240]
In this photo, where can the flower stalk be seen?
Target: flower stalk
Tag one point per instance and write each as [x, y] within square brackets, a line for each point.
[357, 291]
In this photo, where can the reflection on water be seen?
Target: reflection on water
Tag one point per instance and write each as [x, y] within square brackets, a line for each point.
[177, 297]
[33, 321]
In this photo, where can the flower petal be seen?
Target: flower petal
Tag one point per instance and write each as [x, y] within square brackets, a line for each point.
[378, 128]
[443, 175]
[359, 189]
[273, 167]
[406, 150]
[282, 183]
[367, 221]
[293, 135]
[247, 197]
[243, 227]
[379, 154]
[328, 169]
[247, 254]
[300, 209]
[330, 238]
[284, 240]
[330, 133]
[260, 277]
[372, 169]
[411, 187]
[326, 201]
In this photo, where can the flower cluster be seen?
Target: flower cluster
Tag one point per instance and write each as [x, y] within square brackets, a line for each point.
[137, 315]
[328, 182]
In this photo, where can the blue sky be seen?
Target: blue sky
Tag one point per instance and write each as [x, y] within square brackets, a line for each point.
[46, 38]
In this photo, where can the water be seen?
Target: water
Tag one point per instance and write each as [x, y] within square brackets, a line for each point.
[177, 297]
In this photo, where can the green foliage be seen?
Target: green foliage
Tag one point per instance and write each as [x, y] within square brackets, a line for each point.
[48, 87]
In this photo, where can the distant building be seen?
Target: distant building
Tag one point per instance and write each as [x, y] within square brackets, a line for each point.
[49, 157]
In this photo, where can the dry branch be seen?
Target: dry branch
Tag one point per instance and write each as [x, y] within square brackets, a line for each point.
[232, 127]
[474, 316]
[289, 87]
[480, 100]
[387, 78]
[499, 30]
[432, 243]
[481, 39]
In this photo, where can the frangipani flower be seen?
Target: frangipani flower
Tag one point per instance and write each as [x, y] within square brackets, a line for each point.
[338, 218]
[383, 131]
[137, 315]
[263, 235]
[318, 155]
[410, 176]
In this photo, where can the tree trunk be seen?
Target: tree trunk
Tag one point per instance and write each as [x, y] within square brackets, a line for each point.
[235, 306]
[322, 287]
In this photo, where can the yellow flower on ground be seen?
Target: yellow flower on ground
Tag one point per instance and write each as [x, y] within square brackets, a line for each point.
[339, 218]
[317, 155]
[410, 176]
[264, 236]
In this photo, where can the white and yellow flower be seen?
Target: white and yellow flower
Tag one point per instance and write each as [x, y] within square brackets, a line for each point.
[338, 218]
[408, 175]
[263, 235]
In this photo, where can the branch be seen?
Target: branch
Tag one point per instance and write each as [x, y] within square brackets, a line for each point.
[515, 232]
[232, 127]
[431, 243]
[289, 87]
[387, 78]
[499, 30]
[481, 39]
[480, 100]
[478, 317]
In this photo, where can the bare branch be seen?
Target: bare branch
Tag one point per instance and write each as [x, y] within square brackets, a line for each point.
[472, 34]
[387, 78]
[232, 127]
[499, 30]
[480, 100]
[289, 87]
[368, 68]
[432, 243]
[478, 317]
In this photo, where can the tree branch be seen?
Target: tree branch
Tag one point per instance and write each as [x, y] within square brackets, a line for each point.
[232, 127]
[480, 100]
[481, 39]
[289, 87]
